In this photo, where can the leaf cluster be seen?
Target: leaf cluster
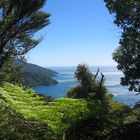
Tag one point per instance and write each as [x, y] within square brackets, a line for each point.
[127, 55]
[19, 21]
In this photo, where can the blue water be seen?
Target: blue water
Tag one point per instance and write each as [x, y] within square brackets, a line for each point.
[66, 80]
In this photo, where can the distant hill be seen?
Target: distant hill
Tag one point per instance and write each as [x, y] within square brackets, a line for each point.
[36, 76]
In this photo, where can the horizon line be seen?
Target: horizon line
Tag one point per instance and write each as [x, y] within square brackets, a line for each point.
[111, 65]
[87, 65]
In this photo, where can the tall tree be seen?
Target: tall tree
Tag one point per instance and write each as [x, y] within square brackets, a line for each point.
[19, 21]
[84, 77]
[127, 16]
[88, 86]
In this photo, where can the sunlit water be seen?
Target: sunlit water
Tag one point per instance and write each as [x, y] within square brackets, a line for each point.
[66, 80]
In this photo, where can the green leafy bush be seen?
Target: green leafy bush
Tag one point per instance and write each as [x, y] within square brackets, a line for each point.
[13, 126]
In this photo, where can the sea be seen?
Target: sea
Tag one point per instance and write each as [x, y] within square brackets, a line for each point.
[66, 80]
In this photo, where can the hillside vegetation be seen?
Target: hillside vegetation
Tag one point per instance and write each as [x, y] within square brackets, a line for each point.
[90, 114]
[32, 107]
[34, 75]
[57, 116]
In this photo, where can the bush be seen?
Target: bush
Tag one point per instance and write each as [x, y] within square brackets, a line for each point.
[14, 127]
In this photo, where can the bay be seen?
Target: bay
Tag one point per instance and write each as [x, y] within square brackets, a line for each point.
[66, 80]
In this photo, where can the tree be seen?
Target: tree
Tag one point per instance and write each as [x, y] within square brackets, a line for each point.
[19, 21]
[85, 79]
[127, 16]
[12, 72]
[88, 87]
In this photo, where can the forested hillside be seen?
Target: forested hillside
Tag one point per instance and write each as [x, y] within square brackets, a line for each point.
[25, 115]
[28, 115]
[35, 75]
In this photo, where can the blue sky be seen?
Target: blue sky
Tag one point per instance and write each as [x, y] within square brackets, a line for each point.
[81, 31]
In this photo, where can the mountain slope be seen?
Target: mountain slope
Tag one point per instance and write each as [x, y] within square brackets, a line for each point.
[35, 75]
[32, 107]
[28, 111]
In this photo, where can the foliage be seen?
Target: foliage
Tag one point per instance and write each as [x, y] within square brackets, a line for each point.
[13, 126]
[127, 16]
[32, 106]
[84, 76]
[8, 72]
[130, 131]
[71, 93]
[129, 127]
[47, 98]
[99, 125]
[60, 114]
[89, 87]
[63, 118]
[19, 21]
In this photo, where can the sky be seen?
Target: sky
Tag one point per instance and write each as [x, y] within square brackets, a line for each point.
[81, 31]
